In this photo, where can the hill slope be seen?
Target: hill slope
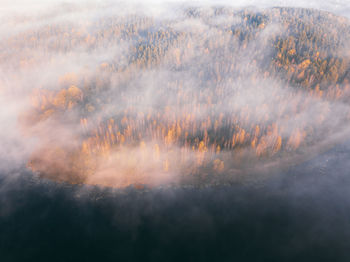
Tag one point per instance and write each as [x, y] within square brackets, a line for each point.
[206, 97]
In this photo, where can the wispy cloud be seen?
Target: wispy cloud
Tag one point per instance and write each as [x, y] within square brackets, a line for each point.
[27, 67]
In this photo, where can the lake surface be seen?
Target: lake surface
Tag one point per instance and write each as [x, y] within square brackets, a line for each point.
[300, 215]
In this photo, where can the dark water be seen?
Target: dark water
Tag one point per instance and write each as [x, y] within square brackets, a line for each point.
[301, 215]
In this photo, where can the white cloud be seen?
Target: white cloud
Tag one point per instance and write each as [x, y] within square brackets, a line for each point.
[19, 16]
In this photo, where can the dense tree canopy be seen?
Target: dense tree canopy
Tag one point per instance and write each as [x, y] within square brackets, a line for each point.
[210, 95]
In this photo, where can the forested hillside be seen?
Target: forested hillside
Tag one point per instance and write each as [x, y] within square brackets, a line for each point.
[205, 97]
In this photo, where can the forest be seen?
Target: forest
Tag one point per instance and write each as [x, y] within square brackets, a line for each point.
[204, 98]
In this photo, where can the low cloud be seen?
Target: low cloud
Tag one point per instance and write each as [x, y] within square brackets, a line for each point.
[57, 47]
